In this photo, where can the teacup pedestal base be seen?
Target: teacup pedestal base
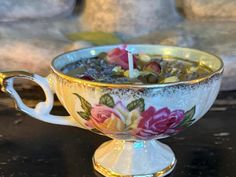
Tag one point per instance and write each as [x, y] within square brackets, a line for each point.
[119, 158]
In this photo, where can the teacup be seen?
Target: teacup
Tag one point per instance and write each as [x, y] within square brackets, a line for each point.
[134, 115]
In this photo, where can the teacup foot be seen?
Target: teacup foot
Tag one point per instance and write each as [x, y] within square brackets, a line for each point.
[119, 158]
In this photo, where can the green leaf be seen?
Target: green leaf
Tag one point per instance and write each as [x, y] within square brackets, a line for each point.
[188, 117]
[139, 103]
[84, 115]
[97, 38]
[107, 100]
[85, 105]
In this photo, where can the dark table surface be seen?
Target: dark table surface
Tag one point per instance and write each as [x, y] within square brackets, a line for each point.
[30, 148]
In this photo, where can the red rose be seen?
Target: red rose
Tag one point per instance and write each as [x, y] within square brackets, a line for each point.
[119, 56]
[156, 122]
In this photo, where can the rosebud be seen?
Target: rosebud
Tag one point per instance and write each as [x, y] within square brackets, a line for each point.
[153, 67]
[119, 56]
[86, 77]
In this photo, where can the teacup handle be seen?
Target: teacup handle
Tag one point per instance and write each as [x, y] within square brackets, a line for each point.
[42, 109]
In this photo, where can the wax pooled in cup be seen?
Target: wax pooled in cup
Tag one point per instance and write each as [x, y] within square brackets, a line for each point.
[120, 65]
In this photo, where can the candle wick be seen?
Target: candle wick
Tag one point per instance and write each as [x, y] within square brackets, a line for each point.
[131, 65]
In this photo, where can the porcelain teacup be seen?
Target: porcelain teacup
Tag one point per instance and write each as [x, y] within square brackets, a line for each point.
[134, 115]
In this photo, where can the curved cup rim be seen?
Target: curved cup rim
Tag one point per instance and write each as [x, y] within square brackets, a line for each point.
[123, 85]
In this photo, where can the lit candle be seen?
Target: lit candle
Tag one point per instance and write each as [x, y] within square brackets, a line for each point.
[131, 65]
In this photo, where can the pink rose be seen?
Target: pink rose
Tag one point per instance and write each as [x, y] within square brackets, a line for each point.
[101, 112]
[119, 56]
[106, 119]
[156, 122]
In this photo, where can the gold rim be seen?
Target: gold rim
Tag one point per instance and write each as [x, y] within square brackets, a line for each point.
[109, 173]
[120, 85]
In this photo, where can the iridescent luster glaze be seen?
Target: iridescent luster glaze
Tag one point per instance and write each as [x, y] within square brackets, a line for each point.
[132, 114]
[132, 111]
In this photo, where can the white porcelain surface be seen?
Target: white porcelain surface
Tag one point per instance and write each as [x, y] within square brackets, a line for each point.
[196, 96]
[137, 158]
[134, 115]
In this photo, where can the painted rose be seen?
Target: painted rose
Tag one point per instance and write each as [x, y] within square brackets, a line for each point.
[119, 56]
[112, 120]
[157, 122]
[106, 119]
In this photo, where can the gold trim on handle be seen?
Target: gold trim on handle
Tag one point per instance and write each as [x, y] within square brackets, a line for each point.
[9, 74]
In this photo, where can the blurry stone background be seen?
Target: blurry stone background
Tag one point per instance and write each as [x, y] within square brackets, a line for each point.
[33, 32]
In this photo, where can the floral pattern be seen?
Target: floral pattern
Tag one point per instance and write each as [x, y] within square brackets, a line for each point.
[110, 117]
[119, 56]
[161, 121]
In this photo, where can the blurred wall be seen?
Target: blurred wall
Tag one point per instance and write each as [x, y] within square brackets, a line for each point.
[32, 33]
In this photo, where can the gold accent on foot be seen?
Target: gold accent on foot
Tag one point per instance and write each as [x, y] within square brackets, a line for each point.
[109, 173]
